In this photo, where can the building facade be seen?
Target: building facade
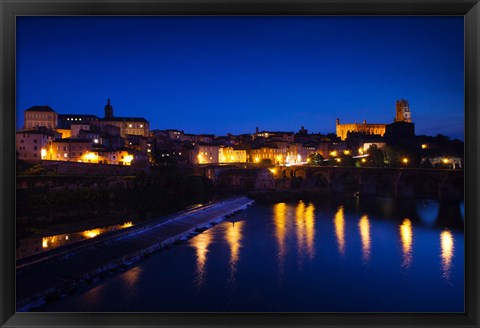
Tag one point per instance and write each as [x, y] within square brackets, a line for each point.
[204, 154]
[34, 145]
[40, 116]
[231, 155]
[273, 154]
[402, 114]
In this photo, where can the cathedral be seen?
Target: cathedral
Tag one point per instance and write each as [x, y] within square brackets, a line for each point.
[402, 115]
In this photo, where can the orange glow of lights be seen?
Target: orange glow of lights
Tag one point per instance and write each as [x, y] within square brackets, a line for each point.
[233, 235]
[126, 225]
[128, 158]
[310, 230]
[406, 236]
[280, 226]
[447, 251]
[90, 156]
[300, 229]
[201, 243]
[339, 222]
[364, 227]
[91, 233]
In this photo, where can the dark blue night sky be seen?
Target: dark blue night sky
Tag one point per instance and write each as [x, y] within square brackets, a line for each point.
[231, 74]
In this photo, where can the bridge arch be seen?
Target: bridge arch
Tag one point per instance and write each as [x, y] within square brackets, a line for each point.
[320, 180]
[300, 173]
[382, 184]
[345, 182]
[422, 185]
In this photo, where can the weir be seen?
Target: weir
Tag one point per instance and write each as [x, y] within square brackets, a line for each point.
[65, 270]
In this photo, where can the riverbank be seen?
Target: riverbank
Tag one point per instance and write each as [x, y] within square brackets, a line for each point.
[50, 277]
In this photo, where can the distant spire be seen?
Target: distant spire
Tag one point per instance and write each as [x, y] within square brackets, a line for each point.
[108, 109]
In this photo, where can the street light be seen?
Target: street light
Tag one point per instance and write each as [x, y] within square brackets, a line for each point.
[405, 160]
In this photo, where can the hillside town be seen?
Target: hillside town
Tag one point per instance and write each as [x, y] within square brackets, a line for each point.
[48, 135]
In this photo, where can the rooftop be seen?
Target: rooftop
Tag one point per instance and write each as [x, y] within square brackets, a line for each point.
[40, 109]
[124, 119]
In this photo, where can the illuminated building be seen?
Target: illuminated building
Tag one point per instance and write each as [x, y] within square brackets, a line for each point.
[403, 111]
[65, 121]
[176, 135]
[127, 125]
[331, 149]
[453, 162]
[379, 145]
[71, 149]
[204, 154]
[119, 157]
[268, 153]
[297, 153]
[274, 135]
[402, 114]
[38, 116]
[344, 129]
[231, 155]
[34, 145]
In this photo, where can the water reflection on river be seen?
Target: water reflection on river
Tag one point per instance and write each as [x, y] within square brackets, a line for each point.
[330, 256]
[30, 246]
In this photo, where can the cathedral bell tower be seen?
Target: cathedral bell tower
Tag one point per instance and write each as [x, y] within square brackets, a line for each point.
[403, 111]
[108, 110]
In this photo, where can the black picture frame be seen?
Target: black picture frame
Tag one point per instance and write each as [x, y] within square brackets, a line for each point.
[9, 9]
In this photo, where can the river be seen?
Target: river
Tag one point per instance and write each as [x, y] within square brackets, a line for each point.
[335, 255]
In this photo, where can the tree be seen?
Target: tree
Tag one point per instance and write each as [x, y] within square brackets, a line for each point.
[315, 159]
[376, 156]
[390, 156]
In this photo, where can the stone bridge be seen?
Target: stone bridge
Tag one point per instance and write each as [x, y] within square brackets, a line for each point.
[394, 182]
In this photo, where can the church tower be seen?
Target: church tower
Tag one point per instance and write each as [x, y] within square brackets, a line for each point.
[108, 110]
[403, 111]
